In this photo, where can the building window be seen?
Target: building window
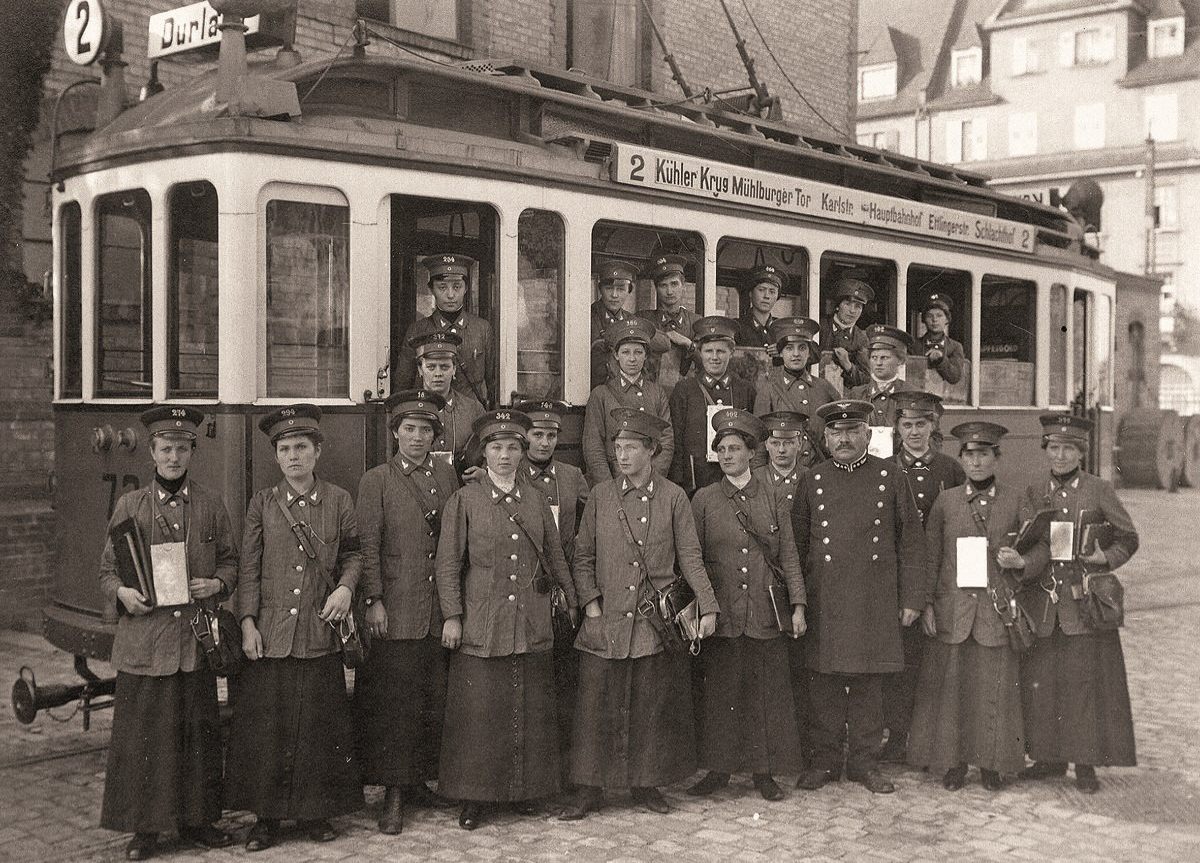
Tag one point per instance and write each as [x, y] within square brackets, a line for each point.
[124, 361]
[1164, 38]
[966, 140]
[966, 67]
[1166, 208]
[70, 320]
[192, 292]
[541, 256]
[1162, 116]
[437, 18]
[606, 39]
[877, 82]
[1022, 134]
[1089, 126]
[1025, 59]
[1087, 47]
[888, 139]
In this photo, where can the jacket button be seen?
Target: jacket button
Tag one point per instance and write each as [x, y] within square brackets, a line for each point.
[828, 558]
[174, 503]
[824, 524]
[430, 579]
[879, 504]
[633, 587]
[516, 536]
[512, 577]
[744, 569]
[430, 555]
[745, 586]
[745, 551]
[293, 611]
[642, 519]
[920, 479]
[877, 522]
[874, 539]
[430, 533]
[920, 494]
[883, 488]
[636, 564]
[825, 540]
[512, 557]
[302, 503]
[296, 591]
[629, 614]
[874, 557]
[299, 567]
[176, 614]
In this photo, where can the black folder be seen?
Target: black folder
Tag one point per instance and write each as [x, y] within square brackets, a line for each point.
[133, 565]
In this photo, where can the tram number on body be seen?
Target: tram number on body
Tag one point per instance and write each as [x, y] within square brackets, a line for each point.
[85, 31]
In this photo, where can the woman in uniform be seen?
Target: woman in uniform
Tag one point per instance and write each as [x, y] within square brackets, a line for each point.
[164, 761]
[1073, 686]
[968, 704]
[498, 560]
[747, 714]
[291, 746]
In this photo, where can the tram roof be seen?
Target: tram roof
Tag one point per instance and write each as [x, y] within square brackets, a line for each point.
[527, 106]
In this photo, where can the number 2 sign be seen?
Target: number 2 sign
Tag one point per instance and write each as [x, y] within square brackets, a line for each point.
[85, 31]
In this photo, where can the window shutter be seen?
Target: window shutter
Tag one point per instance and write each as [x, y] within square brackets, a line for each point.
[978, 139]
[1107, 49]
[954, 141]
[1066, 48]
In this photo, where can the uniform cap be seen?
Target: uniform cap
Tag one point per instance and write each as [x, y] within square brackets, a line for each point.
[801, 330]
[631, 421]
[841, 414]
[915, 403]
[665, 265]
[419, 404]
[546, 413]
[1065, 427]
[784, 423]
[291, 420]
[714, 328]
[854, 288]
[740, 421]
[630, 330]
[979, 433]
[172, 421]
[892, 338]
[766, 274]
[937, 301]
[503, 423]
[447, 264]
[436, 344]
[617, 271]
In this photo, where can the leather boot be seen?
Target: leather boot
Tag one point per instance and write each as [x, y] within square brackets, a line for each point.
[587, 799]
[710, 783]
[391, 817]
[471, 816]
[142, 846]
[955, 778]
[767, 787]
[652, 799]
[1085, 779]
[1045, 770]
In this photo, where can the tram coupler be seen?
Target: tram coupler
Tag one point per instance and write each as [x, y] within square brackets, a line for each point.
[28, 698]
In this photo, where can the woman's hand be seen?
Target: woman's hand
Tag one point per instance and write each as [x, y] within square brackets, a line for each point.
[252, 644]
[799, 624]
[452, 633]
[1009, 558]
[475, 473]
[928, 623]
[377, 619]
[203, 588]
[337, 606]
[708, 625]
[592, 609]
[133, 601]
[908, 616]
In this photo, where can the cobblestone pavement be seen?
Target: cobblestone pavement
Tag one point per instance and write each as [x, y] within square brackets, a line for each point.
[52, 774]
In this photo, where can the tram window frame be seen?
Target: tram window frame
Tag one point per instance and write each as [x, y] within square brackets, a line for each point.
[70, 321]
[326, 380]
[669, 241]
[736, 287]
[532, 242]
[1002, 380]
[107, 208]
[921, 281]
[1101, 337]
[1057, 395]
[837, 264]
[193, 212]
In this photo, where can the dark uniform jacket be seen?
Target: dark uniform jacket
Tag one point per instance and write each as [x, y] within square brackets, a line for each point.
[161, 643]
[675, 363]
[785, 485]
[752, 334]
[953, 360]
[566, 491]
[929, 475]
[787, 392]
[279, 585]
[476, 355]
[968, 612]
[1085, 498]
[399, 542]
[609, 567]
[862, 547]
[487, 567]
[734, 559]
[854, 340]
[883, 409]
[601, 318]
[643, 394]
[460, 413]
[690, 467]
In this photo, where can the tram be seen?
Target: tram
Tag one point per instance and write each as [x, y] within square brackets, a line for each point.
[236, 260]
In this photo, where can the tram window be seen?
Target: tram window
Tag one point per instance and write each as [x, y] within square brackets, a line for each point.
[736, 259]
[876, 272]
[1102, 339]
[123, 339]
[1081, 364]
[1007, 341]
[1058, 345]
[308, 294]
[192, 297]
[933, 329]
[432, 226]
[71, 309]
[540, 282]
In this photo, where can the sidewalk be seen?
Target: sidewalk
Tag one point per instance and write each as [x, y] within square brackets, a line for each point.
[52, 774]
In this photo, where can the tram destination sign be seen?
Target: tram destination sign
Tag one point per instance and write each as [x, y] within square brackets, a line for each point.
[657, 169]
[192, 32]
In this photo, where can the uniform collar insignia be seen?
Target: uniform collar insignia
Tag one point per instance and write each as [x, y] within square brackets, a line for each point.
[853, 466]
[627, 486]
[716, 383]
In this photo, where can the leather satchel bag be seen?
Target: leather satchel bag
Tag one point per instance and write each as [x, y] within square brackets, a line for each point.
[220, 640]
[678, 606]
[1103, 605]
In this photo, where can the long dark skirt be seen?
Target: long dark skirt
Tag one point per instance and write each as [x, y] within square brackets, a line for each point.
[900, 689]
[164, 756]
[1076, 700]
[634, 724]
[797, 665]
[399, 702]
[291, 742]
[566, 685]
[968, 708]
[500, 740]
[748, 716]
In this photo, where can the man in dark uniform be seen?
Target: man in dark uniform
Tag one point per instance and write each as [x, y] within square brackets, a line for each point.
[671, 320]
[763, 285]
[929, 473]
[450, 281]
[437, 362]
[634, 719]
[164, 760]
[566, 490]
[841, 335]
[862, 547]
[945, 355]
[697, 397]
[791, 386]
[399, 737]
[889, 347]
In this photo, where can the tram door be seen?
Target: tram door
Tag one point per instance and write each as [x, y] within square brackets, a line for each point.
[429, 226]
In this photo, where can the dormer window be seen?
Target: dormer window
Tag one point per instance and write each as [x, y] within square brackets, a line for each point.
[1165, 37]
[966, 67]
[877, 82]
